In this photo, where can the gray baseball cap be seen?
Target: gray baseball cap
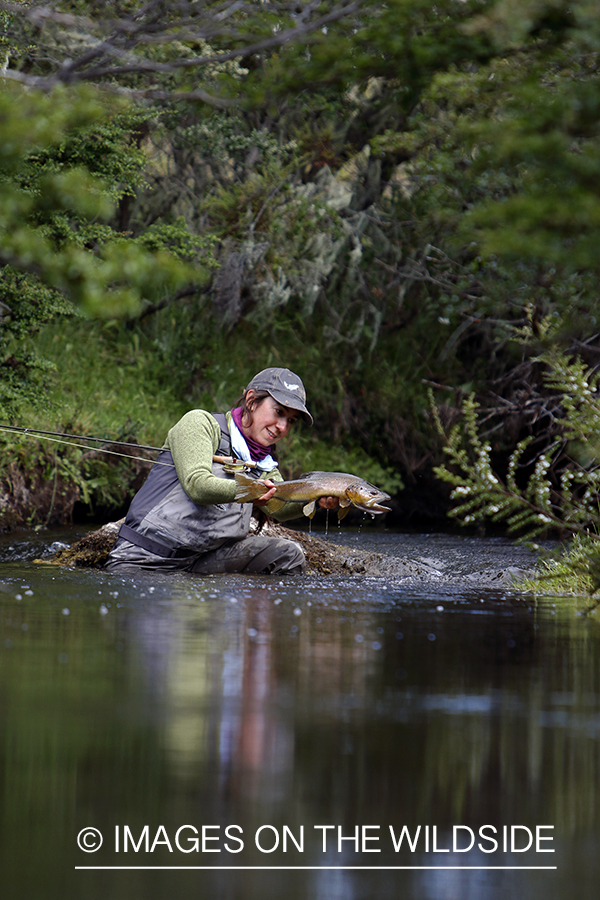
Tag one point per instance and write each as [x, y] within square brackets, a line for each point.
[285, 387]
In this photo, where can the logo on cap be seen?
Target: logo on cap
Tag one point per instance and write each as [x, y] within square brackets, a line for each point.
[291, 387]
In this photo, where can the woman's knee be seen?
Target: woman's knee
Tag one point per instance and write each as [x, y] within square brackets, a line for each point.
[281, 557]
[297, 560]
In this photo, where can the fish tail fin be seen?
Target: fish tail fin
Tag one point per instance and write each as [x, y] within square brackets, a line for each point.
[247, 489]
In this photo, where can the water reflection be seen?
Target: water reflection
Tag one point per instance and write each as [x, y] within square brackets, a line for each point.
[300, 703]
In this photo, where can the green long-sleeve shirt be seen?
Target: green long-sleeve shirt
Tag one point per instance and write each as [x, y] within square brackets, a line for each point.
[193, 441]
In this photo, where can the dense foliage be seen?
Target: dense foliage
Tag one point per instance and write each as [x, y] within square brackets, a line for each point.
[66, 162]
[552, 486]
[378, 201]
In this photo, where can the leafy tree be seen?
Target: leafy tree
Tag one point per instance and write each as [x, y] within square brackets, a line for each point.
[130, 44]
[374, 188]
[65, 160]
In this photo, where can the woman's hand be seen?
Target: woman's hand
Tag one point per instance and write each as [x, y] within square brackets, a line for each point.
[329, 502]
[270, 488]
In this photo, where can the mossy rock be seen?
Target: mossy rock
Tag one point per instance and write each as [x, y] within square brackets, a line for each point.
[91, 552]
[323, 558]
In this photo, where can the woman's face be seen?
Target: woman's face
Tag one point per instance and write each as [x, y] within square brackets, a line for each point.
[270, 420]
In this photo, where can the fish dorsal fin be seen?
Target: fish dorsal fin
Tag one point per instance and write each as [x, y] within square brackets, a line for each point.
[310, 509]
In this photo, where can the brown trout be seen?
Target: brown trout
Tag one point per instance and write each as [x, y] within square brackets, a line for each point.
[349, 489]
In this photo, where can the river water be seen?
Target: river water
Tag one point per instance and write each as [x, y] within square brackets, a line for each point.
[218, 724]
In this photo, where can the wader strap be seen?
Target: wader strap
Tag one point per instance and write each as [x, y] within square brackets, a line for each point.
[225, 444]
[152, 546]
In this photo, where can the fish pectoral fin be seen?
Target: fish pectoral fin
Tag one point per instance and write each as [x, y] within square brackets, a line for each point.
[345, 501]
[310, 509]
[343, 510]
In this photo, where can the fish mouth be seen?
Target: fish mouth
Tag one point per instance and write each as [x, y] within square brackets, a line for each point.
[374, 508]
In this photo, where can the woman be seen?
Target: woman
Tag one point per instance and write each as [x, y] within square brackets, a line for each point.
[184, 518]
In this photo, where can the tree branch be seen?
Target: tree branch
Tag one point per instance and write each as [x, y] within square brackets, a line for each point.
[116, 41]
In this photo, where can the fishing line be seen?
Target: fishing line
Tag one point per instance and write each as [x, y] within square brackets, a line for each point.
[77, 437]
[45, 435]
[57, 438]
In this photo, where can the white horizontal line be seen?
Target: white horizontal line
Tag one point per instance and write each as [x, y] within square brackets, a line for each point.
[319, 868]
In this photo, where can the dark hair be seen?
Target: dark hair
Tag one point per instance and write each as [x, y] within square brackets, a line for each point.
[248, 408]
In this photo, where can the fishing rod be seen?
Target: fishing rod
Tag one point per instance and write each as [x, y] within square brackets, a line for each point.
[35, 432]
[57, 438]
